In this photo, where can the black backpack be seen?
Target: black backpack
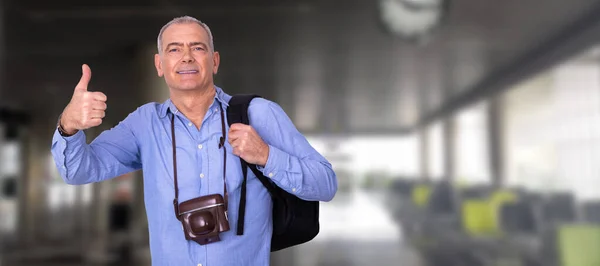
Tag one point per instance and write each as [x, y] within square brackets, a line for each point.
[295, 221]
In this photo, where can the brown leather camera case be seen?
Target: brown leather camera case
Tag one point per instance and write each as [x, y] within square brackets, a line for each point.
[204, 218]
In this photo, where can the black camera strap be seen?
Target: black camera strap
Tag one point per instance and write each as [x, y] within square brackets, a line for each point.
[221, 145]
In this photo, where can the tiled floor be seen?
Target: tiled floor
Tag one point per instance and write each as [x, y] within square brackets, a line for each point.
[355, 230]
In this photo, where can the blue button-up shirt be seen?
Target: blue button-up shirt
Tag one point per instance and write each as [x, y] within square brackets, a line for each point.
[143, 141]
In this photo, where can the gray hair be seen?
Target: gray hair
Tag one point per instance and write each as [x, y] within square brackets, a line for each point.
[184, 20]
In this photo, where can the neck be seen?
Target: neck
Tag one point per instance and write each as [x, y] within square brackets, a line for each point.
[193, 104]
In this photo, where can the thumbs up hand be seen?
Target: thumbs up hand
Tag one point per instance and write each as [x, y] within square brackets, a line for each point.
[86, 108]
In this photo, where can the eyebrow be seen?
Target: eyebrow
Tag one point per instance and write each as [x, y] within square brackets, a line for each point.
[181, 44]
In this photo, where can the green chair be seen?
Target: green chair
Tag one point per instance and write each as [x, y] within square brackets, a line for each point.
[420, 195]
[497, 200]
[578, 245]
[475, 217]
[481, 216]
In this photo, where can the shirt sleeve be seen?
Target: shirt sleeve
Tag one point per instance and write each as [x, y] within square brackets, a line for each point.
[113, 153]
[293, 164]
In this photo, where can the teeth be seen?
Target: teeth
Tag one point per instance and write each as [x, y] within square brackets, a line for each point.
[187, 72]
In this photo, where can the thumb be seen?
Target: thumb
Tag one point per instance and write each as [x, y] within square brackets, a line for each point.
[86, 75]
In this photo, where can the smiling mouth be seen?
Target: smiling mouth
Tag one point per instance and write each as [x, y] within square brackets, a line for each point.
[188, 72]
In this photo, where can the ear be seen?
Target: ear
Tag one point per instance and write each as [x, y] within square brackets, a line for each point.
[216, 62]
[158, 65]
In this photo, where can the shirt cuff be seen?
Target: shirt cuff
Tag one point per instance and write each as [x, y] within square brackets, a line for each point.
[274, 162]
[59, 147]
[70, 139]
[79, 136]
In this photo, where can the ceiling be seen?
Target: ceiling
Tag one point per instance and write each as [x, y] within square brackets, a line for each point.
[329, 63]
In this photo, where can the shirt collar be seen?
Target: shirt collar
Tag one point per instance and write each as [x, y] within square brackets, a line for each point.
[168, 106]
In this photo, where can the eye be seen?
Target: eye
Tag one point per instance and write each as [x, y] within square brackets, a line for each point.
[198, 48]
[173, 50]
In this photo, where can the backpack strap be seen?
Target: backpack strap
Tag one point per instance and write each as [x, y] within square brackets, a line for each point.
[237, 112]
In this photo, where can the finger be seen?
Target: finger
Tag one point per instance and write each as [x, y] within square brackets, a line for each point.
[233, 136]
[94, 122]
[236, 143]
[238, 135]
[237, 146]
[97, 114]
[86, 75]
[238, 126]
[238, 130]
[99, 96]
[98, 105]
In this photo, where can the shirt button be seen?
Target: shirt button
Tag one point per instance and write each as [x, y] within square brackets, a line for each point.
[270, 174]
[190, 124]
[201, 175]
[293, 189]
[199, 264]
[199, 146]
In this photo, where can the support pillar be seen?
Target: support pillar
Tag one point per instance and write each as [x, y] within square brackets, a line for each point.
[496, 140]
[424, 153]
[449, 148]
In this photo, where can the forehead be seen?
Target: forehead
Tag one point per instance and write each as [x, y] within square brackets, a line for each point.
[185, 32]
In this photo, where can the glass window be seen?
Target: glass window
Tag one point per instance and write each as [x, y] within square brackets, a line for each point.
[471, 153]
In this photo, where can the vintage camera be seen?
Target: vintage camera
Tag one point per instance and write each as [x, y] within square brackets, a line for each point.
[203, 218]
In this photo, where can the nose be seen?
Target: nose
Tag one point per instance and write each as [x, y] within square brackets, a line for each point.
[187, 57]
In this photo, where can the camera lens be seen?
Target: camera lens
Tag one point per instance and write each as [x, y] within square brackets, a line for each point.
[202, 223]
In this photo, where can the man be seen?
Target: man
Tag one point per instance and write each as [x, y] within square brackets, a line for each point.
[187, 61]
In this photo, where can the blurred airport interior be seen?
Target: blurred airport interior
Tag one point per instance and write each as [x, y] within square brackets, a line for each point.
[462, 132]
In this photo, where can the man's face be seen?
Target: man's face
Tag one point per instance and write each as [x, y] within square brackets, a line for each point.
[186, 60]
